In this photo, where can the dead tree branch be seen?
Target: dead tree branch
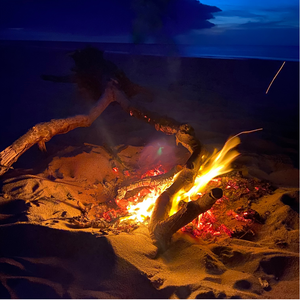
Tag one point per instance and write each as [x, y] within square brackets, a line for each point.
[161, 226]
[43, 132]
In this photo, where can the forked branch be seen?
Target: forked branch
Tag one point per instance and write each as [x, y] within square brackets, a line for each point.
[43, 132]
[161, 226]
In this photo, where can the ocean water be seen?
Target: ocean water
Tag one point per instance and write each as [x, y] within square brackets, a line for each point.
[283, 53]
[287, 53]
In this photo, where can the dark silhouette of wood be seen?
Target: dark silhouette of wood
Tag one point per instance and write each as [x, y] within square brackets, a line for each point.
[92, 72]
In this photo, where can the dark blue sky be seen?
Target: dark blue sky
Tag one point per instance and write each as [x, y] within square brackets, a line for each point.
[253, 22]
[211, 22]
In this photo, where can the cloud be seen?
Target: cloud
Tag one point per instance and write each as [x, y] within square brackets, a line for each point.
[141, 18]
[168, 18]
[238, 12]
[259, 14]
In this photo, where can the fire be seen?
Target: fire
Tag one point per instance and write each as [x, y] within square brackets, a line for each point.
[142, 210]
[215, 165]
[157, 171]
[218, 163]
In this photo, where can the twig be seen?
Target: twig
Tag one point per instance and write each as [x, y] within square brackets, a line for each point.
[274, 77]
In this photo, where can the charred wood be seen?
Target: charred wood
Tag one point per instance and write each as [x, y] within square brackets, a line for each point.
[162, 227]
[151, 181]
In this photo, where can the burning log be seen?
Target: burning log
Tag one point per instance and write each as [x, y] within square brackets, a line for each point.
[147, 182]
[162, 228]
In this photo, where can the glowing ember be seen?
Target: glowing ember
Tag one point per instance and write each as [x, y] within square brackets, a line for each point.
[115, 169]
[218, 163]
[126, 173]
[208, 225]
[231, 216]
[157, 171]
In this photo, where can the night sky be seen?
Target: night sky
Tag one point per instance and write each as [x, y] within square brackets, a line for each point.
[214, 22]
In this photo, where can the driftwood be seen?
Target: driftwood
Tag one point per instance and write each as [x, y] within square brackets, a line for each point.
[151, 181]
[43, 132]
[161, 226]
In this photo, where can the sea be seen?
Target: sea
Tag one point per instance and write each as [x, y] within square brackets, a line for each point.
[269, 52]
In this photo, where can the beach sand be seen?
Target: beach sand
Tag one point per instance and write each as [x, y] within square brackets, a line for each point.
[42, 256]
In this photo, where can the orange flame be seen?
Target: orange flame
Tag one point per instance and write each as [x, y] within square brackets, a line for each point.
[143, 210]
[217, 164]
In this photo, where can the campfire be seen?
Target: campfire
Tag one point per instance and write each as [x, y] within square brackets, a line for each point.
[150, 207]
[229, 194]
[193, 197]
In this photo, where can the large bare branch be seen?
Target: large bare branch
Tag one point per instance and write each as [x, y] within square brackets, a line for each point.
[161, 226]
[184, 133]
[43, 132]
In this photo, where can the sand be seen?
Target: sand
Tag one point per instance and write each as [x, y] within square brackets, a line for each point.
[43, 256]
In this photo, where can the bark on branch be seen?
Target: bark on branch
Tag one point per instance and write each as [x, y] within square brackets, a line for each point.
[184, 133]
[43, 132]
[162, 228]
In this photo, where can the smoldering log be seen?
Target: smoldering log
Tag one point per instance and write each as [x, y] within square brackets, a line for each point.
[162, 228]
[151, 181]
